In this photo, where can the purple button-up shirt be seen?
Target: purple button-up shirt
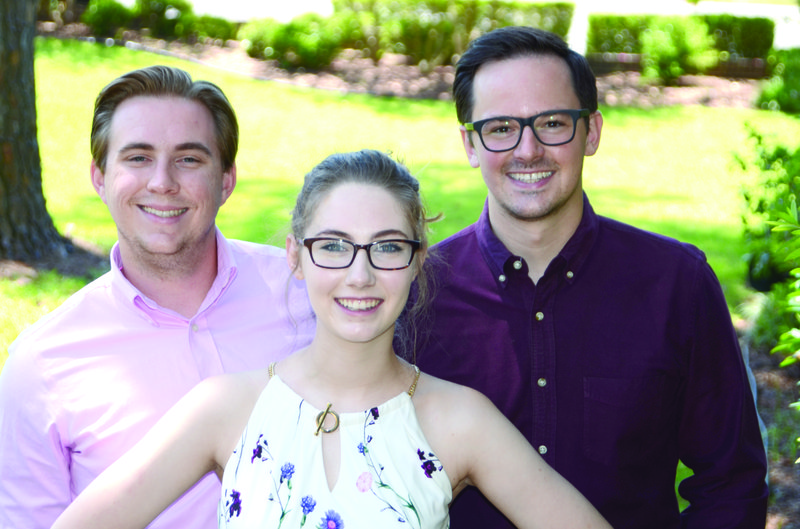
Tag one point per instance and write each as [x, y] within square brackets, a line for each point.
[87, 381]
[620, 361]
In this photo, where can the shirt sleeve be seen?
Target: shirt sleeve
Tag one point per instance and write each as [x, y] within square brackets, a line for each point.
[34, 465]
[719, 434]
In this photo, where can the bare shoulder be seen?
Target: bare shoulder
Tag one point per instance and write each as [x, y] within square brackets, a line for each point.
[453, 418]
[443, 398]
[222, 400]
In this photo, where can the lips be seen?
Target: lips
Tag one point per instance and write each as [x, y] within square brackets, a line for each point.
[164, 214]
[358, 304]
[530, 178]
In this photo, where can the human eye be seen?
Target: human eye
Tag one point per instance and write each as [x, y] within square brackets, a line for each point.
[554, 121]
[500, 127]
[332, 246]
[389, 247]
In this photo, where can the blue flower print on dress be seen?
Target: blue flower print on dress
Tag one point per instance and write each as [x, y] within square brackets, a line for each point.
[233, 505]
[430, 463]
[331, 520]
[307, 503]
[287, 471]
[373, 481]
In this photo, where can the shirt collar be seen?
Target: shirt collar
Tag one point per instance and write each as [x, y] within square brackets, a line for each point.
[226, 272]
[572, 255]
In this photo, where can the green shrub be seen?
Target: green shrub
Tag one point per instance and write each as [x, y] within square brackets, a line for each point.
[778, 184]
[166, 20]
[309, 41]
[209, 27]
[616, 33]
[741, 36]
[258, 36]
[734, 36]
[435, 32]
[673, 46]
[782, 90]
[106, 17]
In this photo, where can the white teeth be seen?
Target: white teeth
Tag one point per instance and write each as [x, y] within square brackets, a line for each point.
[164, 214]
[358, 304]
[530, 178]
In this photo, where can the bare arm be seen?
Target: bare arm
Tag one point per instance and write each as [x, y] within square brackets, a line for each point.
[484, 449]
[193, 438]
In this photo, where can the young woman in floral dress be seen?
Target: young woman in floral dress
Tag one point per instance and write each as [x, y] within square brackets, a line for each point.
[344, 433]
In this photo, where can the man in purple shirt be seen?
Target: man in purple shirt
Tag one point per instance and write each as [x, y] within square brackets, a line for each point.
[180, 303]
[610, 348]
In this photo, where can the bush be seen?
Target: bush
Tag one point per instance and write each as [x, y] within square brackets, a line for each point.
[433, 32]
[782, 90]
[257, 36]
[208, 27]
[106, 17]
[734, 36]
[779, 183]
[741, 36]
[673, 46]
[308, 41]
[170, 21]
[616, 34]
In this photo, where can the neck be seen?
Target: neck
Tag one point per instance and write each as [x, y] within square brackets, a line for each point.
[350, 376]
[177, 282]
[539, 240]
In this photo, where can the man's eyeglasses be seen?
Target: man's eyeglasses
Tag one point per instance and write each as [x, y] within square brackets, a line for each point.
[389, 254]
[503, 133]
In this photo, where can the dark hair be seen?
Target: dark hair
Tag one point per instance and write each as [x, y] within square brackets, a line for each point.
[164, 81]
[513, 42]
[373, 168]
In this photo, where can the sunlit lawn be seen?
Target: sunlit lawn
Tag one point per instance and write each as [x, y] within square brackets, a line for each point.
[669, 170]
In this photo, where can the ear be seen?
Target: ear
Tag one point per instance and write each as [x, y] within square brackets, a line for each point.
[98, 181]
[472, 156]
[293, 257]
[593, 134]
[228, 183]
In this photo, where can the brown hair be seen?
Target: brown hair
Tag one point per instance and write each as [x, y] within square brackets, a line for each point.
[164, 81]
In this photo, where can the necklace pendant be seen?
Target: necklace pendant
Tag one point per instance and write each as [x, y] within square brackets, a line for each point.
[321, 420]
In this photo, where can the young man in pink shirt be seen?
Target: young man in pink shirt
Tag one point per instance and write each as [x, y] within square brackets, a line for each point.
[180, 303]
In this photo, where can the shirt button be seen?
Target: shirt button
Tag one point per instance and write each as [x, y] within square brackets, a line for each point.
[570, 275]
[539, 316]
[542, 382]
[543, 449]
[195, 328]
[517, 265]
[502, 278]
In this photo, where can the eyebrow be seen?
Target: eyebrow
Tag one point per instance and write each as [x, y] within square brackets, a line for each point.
[378, 235]
[188, 146]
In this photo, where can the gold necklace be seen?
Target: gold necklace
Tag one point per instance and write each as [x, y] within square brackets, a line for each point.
[321, 416]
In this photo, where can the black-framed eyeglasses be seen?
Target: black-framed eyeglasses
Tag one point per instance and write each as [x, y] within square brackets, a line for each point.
[503, 133]
[387, 254]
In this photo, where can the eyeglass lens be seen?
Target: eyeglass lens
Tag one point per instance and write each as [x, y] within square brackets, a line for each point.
[338, 253]
[550, 129]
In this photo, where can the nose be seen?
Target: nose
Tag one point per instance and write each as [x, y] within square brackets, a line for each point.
[163, 180]
[529, 146]
[360, 273]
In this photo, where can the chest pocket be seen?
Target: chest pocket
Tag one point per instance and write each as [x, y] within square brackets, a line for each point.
[626, 420]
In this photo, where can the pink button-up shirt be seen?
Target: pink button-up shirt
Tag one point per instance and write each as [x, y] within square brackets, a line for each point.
[86, 382]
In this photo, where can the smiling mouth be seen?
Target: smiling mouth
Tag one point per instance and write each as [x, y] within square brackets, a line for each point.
[531, 178]
[358, 304]
[164, 214]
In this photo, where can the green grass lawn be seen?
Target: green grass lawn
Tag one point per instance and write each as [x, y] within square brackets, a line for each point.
[669, 170]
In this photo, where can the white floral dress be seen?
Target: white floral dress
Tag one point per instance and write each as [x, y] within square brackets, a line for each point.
[388, 477]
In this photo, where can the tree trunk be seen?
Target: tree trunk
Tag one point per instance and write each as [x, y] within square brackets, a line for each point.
[27, 232]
